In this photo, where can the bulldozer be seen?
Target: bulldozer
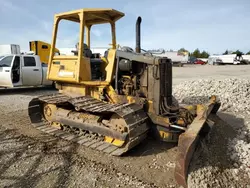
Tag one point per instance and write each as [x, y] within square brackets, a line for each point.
[114, 102]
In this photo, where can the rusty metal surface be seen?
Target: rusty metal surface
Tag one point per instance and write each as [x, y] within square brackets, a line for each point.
[97, 128]
[189, 139]
[133, 114]
[135, 119]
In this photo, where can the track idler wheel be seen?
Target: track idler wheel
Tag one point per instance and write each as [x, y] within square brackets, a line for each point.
[118, 124]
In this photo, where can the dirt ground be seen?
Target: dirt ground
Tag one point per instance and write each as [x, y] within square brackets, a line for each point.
[29, 158]
[26, 152]
[193, 72]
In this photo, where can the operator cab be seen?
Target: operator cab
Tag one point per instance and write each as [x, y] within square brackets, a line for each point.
[85, 66]
[96, 62]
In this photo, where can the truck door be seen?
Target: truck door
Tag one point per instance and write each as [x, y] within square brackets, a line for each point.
[16, 71]
[5, 71]
[31, 71]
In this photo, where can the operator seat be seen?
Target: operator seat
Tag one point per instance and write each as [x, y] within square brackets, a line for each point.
[87, 52]
[95, 63]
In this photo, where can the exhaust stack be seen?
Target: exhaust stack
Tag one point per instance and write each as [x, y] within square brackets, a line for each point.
[138, 35]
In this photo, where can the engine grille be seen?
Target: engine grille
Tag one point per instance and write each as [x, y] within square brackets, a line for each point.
[165, 81]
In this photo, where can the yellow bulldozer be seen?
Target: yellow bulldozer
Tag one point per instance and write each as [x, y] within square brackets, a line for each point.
[112, 103]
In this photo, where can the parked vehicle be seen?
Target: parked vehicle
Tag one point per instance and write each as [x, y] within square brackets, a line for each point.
[22, 70]
[42, 49]
[246, 59]
[191, 60]
[199, 62]
[175, 56]
[225, 59]
[10, 49]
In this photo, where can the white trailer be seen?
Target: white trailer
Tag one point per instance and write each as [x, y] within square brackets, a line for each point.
[10, 49]
[225, 59]
[230, 59]
[95, 50]
[22, 70]
[246, 57]
[99, 50]
[66, 51]
[175, 56]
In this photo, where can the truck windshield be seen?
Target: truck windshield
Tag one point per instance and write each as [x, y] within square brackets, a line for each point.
[6, 61]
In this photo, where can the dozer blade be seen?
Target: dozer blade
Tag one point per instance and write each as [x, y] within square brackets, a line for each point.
[189, 139]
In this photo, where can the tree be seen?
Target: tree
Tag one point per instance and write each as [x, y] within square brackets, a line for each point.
[226, 52]
[248, 53]
[182, 50]
[204, 54]
[238, 52]
[196, 53]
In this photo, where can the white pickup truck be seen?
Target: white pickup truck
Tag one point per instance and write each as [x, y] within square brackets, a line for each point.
[22, 70]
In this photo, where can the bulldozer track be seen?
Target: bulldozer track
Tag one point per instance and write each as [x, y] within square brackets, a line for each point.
[133, 115]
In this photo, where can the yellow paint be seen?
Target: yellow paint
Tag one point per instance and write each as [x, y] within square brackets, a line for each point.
[159, 120]
[118, 143]
[165, 135]
[180, 122]
[49, 111]
[213, 99]
[73, 73]
[201, 109]
[113, 97]
[80, 90]
[56, 125]
[190, 107]
[108, 139]
[131, 99]
[76, 69]
[95, 15]
[150, 106]
[169, 136]
[110, 70]
[125, 76]
[113, 141]
[42, 49]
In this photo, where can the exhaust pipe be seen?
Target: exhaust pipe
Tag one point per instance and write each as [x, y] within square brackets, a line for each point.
[138, 35]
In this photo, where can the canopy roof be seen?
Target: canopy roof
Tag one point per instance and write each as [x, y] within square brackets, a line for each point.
[92, 15]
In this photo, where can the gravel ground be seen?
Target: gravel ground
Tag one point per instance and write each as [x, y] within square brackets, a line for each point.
[18, 98]
[25, 162]
[194, 72]
[233, 93]
[225, 160]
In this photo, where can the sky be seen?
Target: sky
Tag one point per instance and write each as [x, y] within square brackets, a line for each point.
[213, 26]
